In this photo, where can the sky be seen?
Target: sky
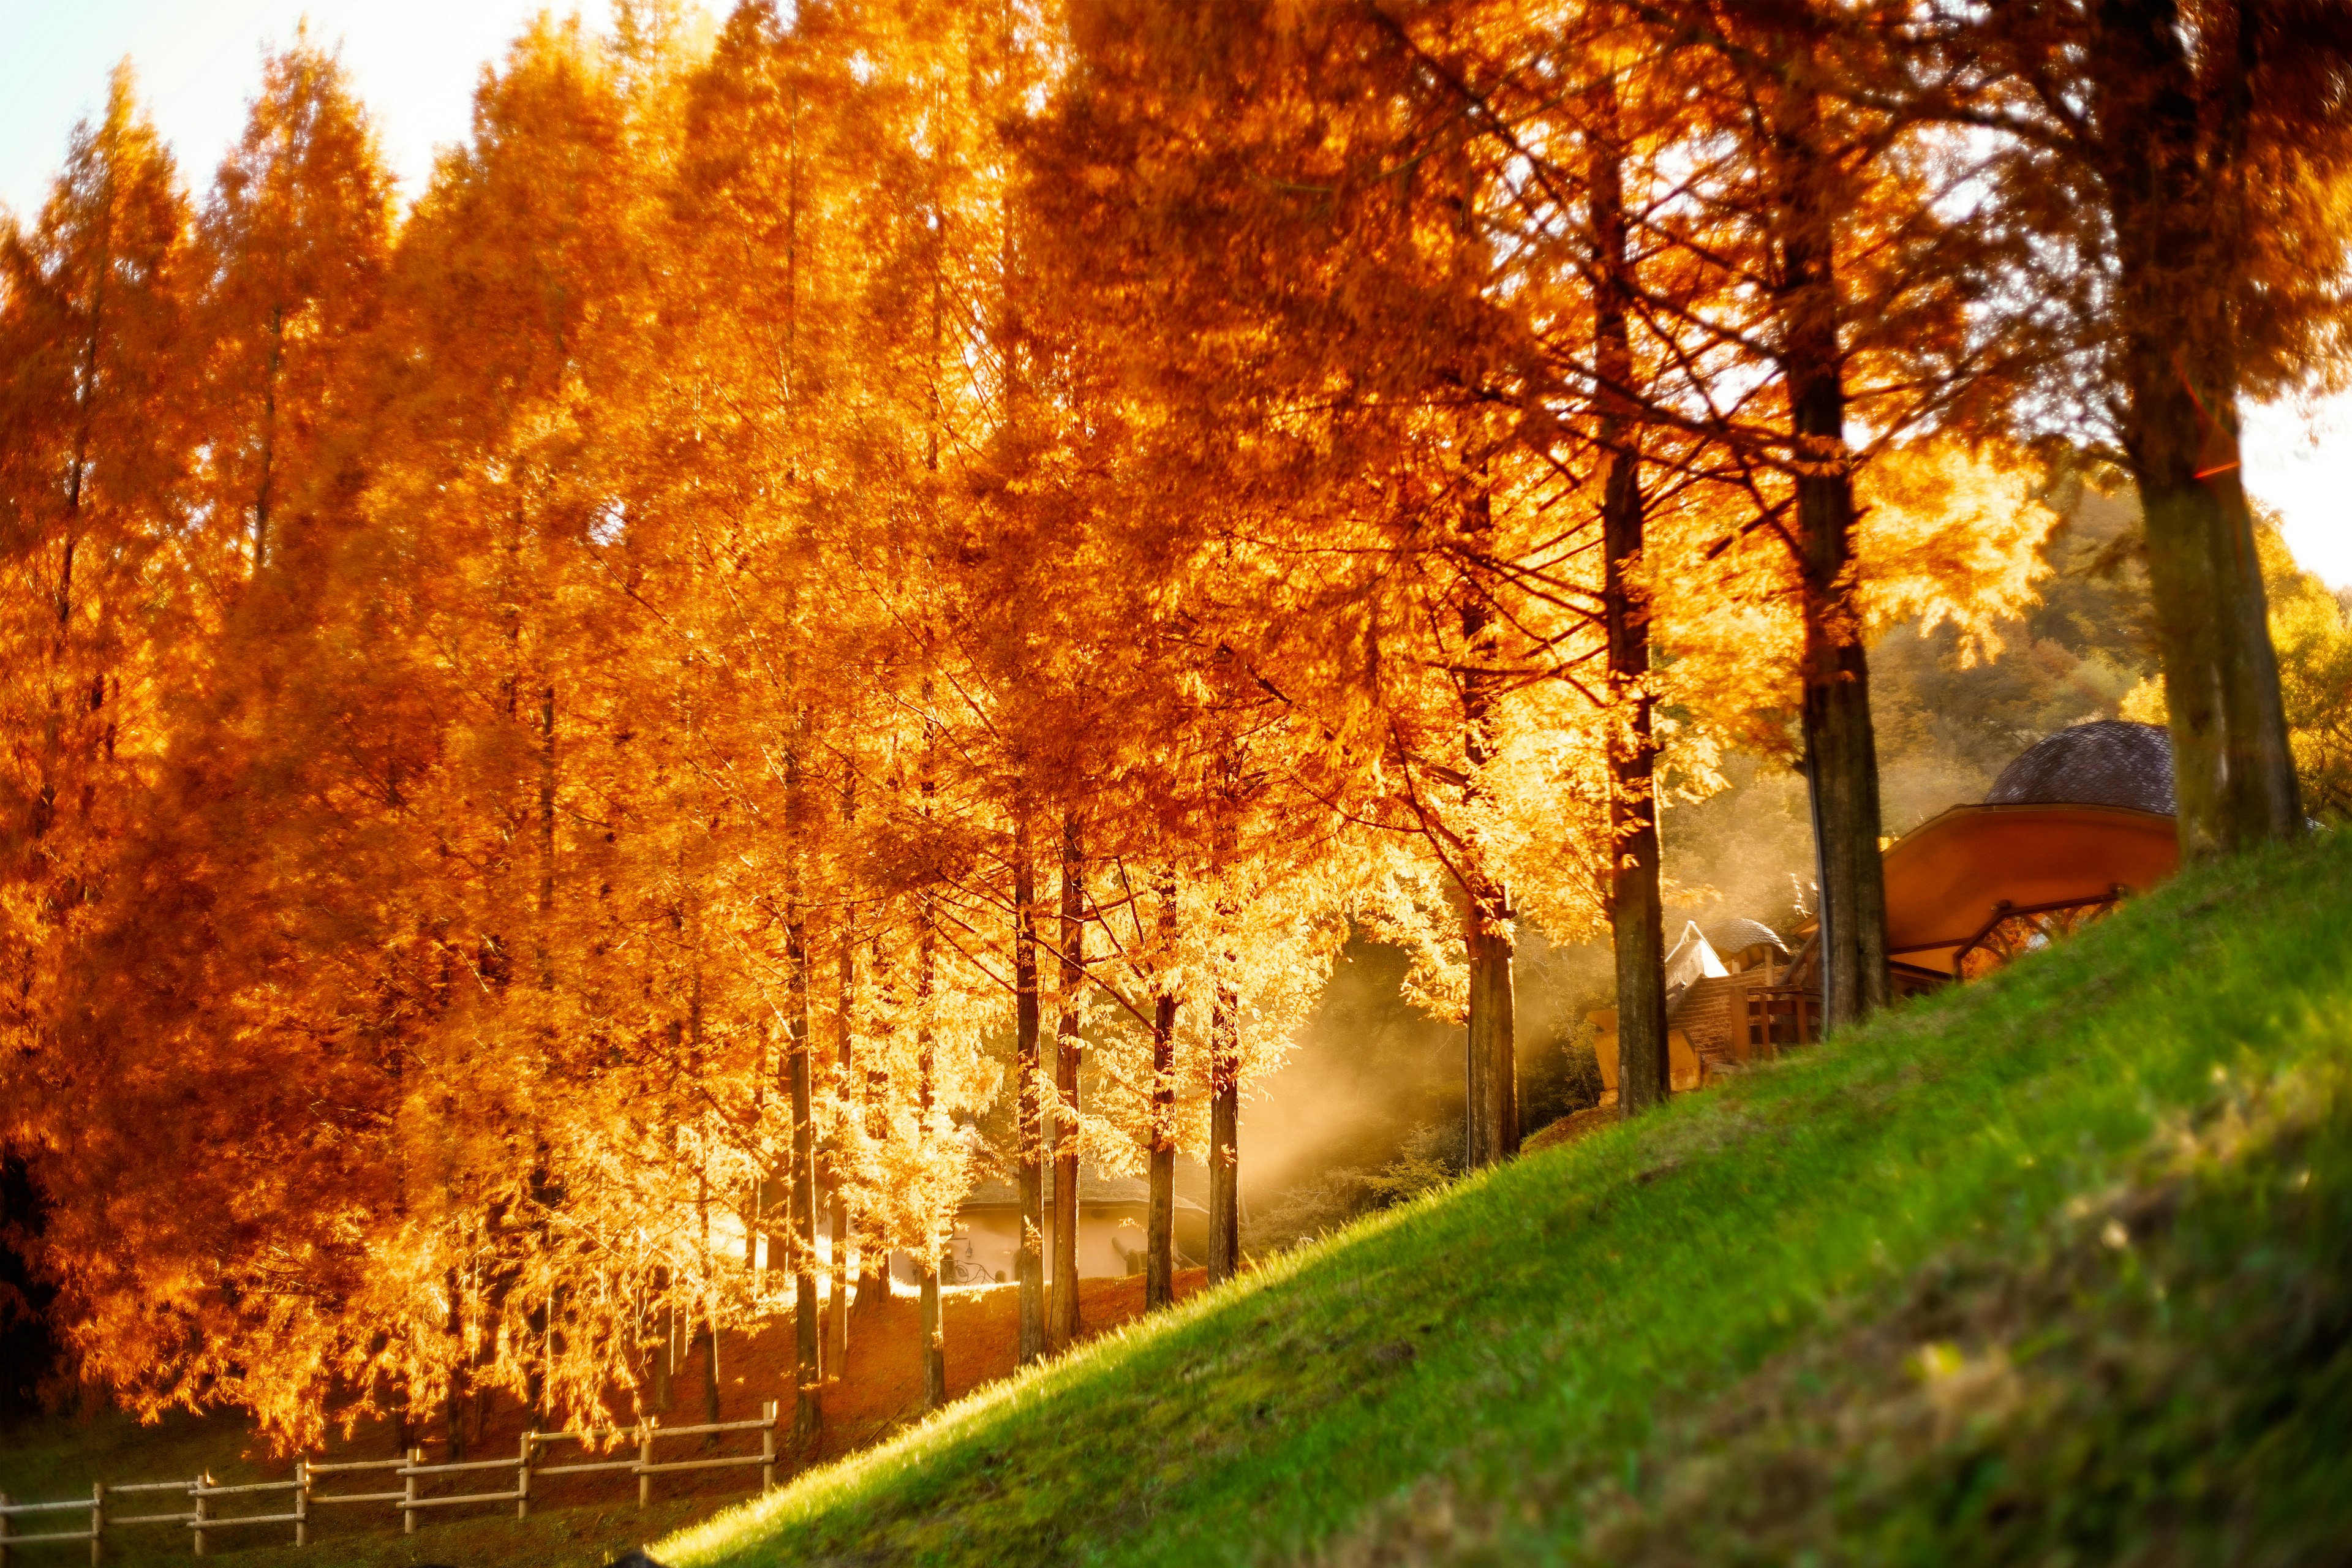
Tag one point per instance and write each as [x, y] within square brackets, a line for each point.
[415, 64]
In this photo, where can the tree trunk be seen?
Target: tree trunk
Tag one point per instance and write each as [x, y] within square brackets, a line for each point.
[1490, 1076]
[547, 839]
[808, 1366]
[1029, 1262]
[272, 377]
[1491, 1098]
[935, 1337]
[1224, 1136]
[873, 1255]
[846, 1008]
[1841, 746]
[534, 1384]
[927, 959]
[1160, 1229]
[1224, 1034]
[457, 1398]
[660, 1370]
[808, 1371]
[1067, 1050]
[1636, 908]
[710, 1376]
[2233, 769]
[705, 1304]
[2168, 164]
[873, 1281]
[837, 1350]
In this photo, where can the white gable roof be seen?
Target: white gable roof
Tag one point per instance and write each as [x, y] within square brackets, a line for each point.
[1693, 958]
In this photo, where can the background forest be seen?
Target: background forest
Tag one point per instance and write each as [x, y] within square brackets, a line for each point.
[856, 602]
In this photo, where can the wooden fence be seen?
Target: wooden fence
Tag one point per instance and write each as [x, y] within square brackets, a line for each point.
[203, 1520]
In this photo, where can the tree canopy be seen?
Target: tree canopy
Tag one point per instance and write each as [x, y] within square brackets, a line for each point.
[843, 606]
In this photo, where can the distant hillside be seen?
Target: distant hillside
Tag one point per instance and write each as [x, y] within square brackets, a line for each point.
[2054, 1268]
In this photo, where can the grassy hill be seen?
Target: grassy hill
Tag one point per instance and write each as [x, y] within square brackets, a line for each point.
[2052, 1268]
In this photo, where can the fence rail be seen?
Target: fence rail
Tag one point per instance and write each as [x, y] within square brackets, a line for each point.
[203, 1522]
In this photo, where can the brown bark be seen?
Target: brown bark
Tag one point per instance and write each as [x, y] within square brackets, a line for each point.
[534, 1384]
[926, 958]
[1029, 1261]
[1636, 908]
[456, 1395]
[934, 1325]
[710, 1376]
[808, 1371]
[873, 1254]
[1159, 1224]
[1491, 1076]
[1224, 1036]
[846, 1009]
[1068, 1054]
[836, 1318]
[546, 837]
[263, 488]
[1491, 1100]
[706, 1312]
[1224, 1136]
[933, 1348]
[1841, 745]
[2167, 162]
[660, 1372]
[935, 1337]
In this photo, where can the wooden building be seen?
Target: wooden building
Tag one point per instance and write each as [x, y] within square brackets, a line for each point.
[1727, 1004]
[2082, 820]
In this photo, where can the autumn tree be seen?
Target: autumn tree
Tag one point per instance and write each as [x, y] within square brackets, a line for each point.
[93, 312]
[93, 306]
[292, 249]
[2185, 164]
[580, 730]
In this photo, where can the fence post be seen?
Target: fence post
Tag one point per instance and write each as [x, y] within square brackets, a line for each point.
[302, 1502]
[645, 1458]
[768, 1448]
[408, 1491]
[196, 1491]
[4, 1501]
[97, 1524]
[522, 1476]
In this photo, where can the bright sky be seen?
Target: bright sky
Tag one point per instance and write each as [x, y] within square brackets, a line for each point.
[415, 63]
[2299, 464]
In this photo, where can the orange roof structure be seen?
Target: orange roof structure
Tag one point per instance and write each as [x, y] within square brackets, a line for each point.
[1951, 881]
[2083, 818]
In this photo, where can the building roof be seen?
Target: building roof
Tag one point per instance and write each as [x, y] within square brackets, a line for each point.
[2109, 761]
[1739, 935]
[1948, 879]
[1693, 958]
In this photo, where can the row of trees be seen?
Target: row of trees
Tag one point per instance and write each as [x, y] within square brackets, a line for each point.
[562, 746]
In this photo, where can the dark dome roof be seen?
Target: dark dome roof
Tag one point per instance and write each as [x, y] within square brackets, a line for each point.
[2108, 761]
[1739, 935]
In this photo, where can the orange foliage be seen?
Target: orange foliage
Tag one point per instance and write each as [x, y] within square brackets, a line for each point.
[534, 666]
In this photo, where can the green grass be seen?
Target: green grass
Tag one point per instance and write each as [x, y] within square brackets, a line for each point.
[2052, 1268]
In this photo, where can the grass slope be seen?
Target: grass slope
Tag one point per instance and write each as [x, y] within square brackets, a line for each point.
[2052, 1267]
